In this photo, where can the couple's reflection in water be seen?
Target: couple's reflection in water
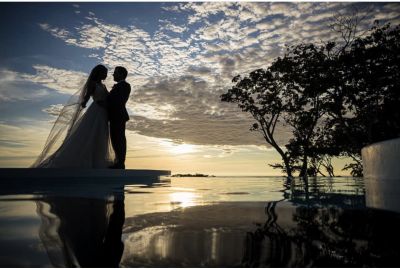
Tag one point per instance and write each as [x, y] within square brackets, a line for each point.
[313, 226]
[83, 232]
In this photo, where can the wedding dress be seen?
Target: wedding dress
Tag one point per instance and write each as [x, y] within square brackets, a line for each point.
[87, 143]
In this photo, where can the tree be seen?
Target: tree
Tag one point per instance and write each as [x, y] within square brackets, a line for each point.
[336, 99]
[372, 71]
[261, 94]
[365, 108]
[303, 72]
[341, 102]
[347, 26]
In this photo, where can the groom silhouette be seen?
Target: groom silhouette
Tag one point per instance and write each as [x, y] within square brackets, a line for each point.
[118, 116]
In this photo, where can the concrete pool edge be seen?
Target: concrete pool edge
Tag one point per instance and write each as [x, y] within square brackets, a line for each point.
[76, 182]
[32, 173]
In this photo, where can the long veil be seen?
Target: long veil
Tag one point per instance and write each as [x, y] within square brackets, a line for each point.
[65, 122]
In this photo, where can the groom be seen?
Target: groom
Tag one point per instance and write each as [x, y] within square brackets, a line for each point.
[118, 116]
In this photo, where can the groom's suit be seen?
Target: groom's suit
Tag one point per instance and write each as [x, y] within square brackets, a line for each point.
[118, 116]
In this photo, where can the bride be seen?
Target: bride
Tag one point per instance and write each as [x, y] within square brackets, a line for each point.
[81, 140]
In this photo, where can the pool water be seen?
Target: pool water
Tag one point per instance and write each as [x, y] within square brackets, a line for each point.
[197, 222]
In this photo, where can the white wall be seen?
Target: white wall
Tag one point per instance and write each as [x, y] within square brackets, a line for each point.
[381, 163]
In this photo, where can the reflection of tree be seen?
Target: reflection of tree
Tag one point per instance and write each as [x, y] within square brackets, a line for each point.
[317, 231]
[337, 237]
[317, 191]
[326, 237]
[268, 242]
[81, 231]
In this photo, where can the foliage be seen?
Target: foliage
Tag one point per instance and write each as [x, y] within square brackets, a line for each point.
[371, 71]
[364, 106]
[303, 71]
[335, 99]
[260, 94]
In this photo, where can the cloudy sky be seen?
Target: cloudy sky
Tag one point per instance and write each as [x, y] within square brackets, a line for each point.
[180, 56]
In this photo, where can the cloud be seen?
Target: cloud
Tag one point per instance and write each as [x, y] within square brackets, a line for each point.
[142, 54]
[179, 71]
[195, 114]
[60, 33]
[199, 70]
[17, 86]
[88, 37]
[202, 11]
[238, 29]
[61, 80]
[53, 110]
[171, 8]
[167, 25]
[13, 87]
[21, 144]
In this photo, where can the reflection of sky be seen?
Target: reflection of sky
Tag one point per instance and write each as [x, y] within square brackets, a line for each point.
[181, 57]
[186, 192]
[20, 245]
[215, 210]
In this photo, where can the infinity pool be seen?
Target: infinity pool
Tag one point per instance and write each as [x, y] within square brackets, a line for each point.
[197, 222]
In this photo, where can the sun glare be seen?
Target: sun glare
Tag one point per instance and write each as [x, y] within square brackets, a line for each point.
[176, 148]
[184, 199]
[182, 148]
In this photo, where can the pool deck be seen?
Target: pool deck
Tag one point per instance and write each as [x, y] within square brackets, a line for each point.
[28, 180]
[71, 173]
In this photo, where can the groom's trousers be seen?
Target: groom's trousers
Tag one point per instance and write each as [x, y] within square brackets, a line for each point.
[118, 140]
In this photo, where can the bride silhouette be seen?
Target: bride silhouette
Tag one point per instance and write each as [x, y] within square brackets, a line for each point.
[81, 140]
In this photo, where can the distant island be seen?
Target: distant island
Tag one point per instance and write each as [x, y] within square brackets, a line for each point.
[191, 175]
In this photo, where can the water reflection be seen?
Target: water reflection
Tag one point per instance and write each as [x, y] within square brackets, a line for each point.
[183, 199]
[326, 237]
[344, 193]
[254, 235]
[212, 223]
[316, 224]
[210, 236]
[82, 232]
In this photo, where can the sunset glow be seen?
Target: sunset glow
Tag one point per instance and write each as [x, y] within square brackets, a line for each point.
[180, 57]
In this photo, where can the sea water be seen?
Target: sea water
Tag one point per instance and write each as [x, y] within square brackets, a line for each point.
[197, 221]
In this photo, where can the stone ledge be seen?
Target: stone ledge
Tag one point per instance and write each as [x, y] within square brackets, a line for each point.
[96, 183]
[55, 173]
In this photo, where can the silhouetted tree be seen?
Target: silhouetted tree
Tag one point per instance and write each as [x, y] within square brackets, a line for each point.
[365, 108]
[306, 73]
[373, 71]
[262, 95]
[346, 24]
[337, 98]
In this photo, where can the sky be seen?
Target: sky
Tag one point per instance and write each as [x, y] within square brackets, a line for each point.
[181, 56]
